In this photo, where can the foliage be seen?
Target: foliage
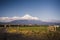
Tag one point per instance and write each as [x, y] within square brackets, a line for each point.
[31, 33]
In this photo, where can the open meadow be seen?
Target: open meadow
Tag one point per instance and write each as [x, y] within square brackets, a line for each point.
[28, 33]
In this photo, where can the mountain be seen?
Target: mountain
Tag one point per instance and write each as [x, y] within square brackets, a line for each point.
[27, 19]
[26, 22]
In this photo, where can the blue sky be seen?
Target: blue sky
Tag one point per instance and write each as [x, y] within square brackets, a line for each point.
[43, 9]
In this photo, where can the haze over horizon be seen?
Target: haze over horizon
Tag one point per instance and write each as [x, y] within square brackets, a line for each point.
[36, 9]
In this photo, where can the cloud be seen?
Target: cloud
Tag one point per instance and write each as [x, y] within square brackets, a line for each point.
[25, 17]
[5, 19]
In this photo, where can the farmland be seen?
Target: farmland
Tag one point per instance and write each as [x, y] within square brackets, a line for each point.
[20, 29]
[29, 33]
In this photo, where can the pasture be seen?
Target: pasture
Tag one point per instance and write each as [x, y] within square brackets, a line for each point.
[28, 33]
[25, 29]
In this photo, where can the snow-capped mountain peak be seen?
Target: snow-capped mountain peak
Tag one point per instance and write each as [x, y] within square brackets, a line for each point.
[28, 17]
[25, 17]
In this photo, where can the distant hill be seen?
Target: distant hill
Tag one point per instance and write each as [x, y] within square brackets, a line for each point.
[27, 19]
[38, 22]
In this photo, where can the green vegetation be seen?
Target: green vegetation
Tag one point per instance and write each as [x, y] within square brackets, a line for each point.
[20, 29]
[31, 33]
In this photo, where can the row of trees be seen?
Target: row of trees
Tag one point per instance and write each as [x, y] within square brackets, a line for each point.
[24, 25]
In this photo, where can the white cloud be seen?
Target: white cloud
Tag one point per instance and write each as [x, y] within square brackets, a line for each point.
[25, 17]
[5, 19]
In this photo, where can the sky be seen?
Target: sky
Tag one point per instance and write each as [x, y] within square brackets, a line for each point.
[43, 9]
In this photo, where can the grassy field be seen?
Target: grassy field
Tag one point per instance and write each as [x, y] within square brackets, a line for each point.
[28, 33]
[26, 29]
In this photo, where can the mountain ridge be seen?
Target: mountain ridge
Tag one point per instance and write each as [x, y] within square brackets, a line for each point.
[38, 22]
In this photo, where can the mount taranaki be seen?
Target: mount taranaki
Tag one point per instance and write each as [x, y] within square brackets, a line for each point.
[26, 22]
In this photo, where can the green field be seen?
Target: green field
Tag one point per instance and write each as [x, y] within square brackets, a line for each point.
[29, 33]
[26, 29]
[34, 33]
